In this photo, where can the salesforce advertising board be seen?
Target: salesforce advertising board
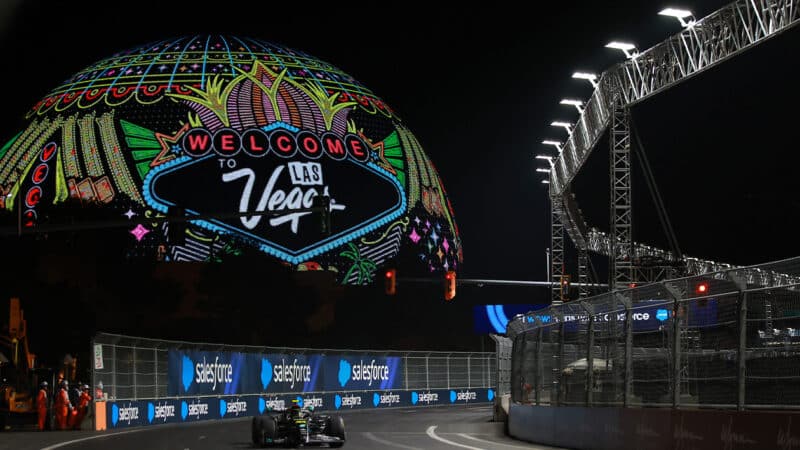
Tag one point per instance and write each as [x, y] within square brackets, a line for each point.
[194, 372]
[192, 409]
[363, 372]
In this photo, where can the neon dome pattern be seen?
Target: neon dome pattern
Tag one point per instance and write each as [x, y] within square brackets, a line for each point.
[238, 135]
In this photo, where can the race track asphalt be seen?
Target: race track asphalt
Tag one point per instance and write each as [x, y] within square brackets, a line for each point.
[436, 428]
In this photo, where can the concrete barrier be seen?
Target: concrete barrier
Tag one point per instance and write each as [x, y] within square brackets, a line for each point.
[651, 428]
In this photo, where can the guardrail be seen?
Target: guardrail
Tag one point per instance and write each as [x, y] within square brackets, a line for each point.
[140, 381]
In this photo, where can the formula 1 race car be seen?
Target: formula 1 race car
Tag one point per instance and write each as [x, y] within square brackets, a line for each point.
[298, 426]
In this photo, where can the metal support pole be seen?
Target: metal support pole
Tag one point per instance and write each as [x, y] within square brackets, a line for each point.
[556, 249]
[469, 369]
[155, 369]
[427, 374]
[676, 349]
[621, 255]
[741, 376]
[93, 385]
[547, 264]
[133, 372]
[539, 374]
[405, 369]
[114, 370]
[447, 362]
[741, 355]
[583, 272]
[560, 363]
[589, 353]
[628, 371]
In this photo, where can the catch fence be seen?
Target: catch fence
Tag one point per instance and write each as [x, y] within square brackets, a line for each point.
[728, 339]
[131, 368]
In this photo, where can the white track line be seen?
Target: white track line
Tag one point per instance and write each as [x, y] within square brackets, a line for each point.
[465, 435]
[432, 434]
[372, 437]
[105, 435]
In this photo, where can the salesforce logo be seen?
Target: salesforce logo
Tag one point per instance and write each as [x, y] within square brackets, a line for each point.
[125, 414]
[193, 410]
[304, 402]
[213, 373]
[490, 394]
[344, 372]
[270, 404]
[205, 373]
[385, 399]
[160, 412]
[266, 373]
[463, 396]
[187, 372]
[662, 314]
[349, 401]
[424, 397]
[232, 408]
[289, 373]
[362, 372]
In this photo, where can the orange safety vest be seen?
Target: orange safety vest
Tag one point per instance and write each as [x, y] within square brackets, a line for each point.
[62, 399]
[84, 400]
[41, 399]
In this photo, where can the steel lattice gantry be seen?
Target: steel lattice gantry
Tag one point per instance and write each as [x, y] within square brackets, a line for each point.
[723, 34]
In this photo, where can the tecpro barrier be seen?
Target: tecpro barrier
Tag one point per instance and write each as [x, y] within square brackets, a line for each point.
[183, 410]
[145, 382]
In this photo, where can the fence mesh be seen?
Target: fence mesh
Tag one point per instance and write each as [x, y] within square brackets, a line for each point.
[137, 368]
[728, 339]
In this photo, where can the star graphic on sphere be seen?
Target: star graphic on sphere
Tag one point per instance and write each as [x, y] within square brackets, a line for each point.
[414, 236]
[439, 254]
[139, 232]
[169, 146]
[129, 214]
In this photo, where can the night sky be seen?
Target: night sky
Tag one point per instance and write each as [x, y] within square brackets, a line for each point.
[479, 88]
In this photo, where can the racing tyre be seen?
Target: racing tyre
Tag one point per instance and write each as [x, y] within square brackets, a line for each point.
[268, 429]
[336, 428]
[257, 431]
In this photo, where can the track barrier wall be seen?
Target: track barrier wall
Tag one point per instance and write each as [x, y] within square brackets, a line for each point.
[142, 382]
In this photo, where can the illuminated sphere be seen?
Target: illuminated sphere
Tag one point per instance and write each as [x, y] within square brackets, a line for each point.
[247, 140]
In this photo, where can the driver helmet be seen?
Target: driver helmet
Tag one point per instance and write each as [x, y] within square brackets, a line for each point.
[43, 384]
